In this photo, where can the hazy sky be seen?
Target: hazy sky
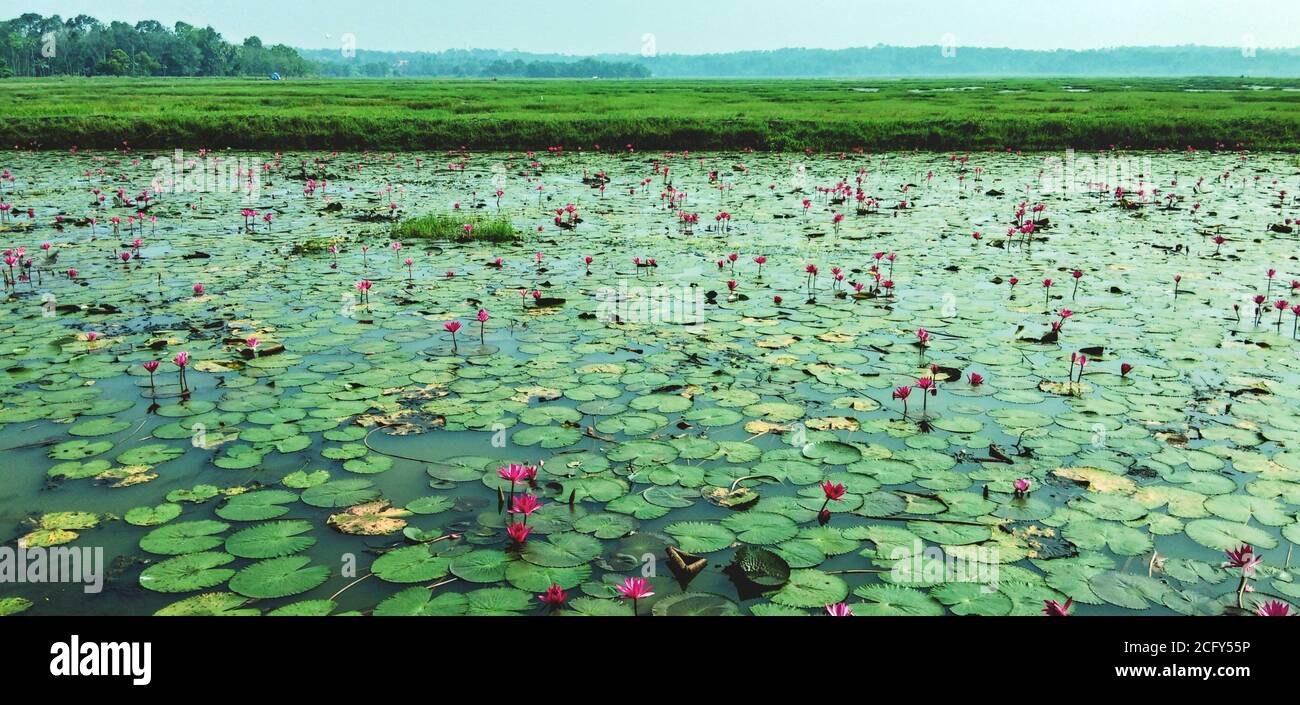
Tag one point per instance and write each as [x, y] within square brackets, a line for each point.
[705, 26]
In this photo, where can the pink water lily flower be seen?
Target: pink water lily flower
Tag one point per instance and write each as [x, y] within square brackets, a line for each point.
[901, 394]
[1274, 608]
[512, 472]
[1244, 558]
[833, 491]
[525, 504]
[1052, 608]
[182, 360]
[839, 609]
[518, 532]
[554, 596]
[634, 588]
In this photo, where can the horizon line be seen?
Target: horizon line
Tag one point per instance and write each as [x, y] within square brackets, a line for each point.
[794, 48]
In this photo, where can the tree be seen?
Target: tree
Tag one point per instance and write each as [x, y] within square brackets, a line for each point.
[145, 65]
[33, 45]
[117, 64]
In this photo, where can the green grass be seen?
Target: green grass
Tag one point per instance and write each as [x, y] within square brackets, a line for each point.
[438, 226]
[651, 114]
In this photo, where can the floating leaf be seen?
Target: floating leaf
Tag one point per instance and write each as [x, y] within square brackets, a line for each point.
[1223, 535]
[192, 571]
[271, 540]
[279, 577]
[700, 537]
[811, 588]
[185, 537]
[210, 604]
[412, 564]
[152, 516]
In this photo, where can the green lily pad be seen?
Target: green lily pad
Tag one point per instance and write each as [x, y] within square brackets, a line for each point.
[279, 577]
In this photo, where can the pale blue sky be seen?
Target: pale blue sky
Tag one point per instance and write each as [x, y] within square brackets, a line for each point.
[707, 26]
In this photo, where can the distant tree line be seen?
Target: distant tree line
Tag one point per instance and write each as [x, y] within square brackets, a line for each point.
[885, 61]
[874, 61]
[474, 63]
[32, 45]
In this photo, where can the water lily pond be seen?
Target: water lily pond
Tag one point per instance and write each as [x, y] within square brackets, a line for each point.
[779, 383]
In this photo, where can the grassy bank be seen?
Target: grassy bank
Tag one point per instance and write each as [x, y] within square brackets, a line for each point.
[444, 227]
[776, 115]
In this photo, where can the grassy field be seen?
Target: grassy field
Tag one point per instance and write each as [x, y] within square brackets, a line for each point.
[770, 115]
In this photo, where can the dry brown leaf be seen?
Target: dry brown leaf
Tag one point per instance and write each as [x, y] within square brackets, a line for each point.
[211, 366]
[1097, 480]
[1065, 389]
[370, 519]
[776, 341]
[527, 394]
[759, 426]
[833, 423]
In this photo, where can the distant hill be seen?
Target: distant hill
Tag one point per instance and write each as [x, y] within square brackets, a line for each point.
[877, 61]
